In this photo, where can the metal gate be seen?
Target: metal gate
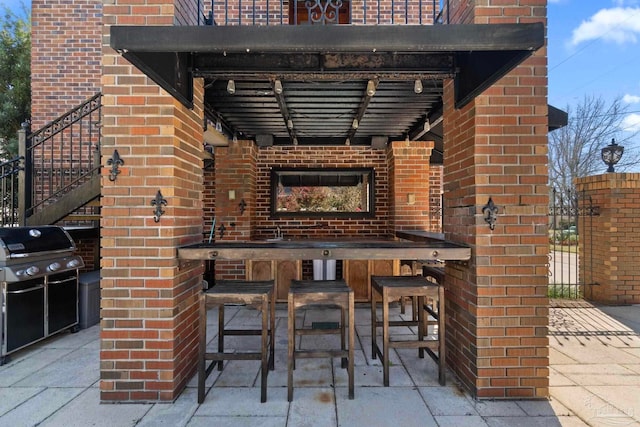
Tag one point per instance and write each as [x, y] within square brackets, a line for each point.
[570, 244]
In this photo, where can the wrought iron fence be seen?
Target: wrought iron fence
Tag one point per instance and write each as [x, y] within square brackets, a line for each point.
[309, 12]
[570, 244]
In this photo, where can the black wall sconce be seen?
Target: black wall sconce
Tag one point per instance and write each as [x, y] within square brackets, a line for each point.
[490, 212]
[243, 206]
[158, 202]
[115, 162]
[611, 155]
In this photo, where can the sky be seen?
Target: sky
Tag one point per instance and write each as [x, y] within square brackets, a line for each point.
[593, 50]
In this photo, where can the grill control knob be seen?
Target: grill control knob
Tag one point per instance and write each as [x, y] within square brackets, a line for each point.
[73, 263]
[32, 271]
[54, 266]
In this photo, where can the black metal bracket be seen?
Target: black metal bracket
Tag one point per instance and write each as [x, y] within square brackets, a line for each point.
[115, 162]
[158, 202]
[490, 212]
[243, 206]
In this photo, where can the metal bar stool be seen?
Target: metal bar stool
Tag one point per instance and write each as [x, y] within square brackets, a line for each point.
[259, 294]
[390, 288]
[326, 292]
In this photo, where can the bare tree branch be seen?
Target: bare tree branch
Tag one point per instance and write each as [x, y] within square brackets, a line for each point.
[574, 150]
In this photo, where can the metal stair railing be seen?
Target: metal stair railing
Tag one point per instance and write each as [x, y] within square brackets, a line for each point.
[61, 157]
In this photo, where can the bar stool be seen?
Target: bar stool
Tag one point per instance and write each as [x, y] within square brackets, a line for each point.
[322, 292]
[259, 294]
[390, 288]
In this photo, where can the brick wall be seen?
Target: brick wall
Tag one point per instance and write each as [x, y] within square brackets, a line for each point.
[149, 299]
[612, 238]
[496, 147]
[65, 56]
[409, 179]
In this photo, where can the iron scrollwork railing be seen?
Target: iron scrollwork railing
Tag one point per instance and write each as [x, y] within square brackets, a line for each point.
[63, 154]
[322, 12]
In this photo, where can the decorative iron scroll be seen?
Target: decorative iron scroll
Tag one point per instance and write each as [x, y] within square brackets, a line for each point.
[323, 11]
[158, 202]
[490, 212]
[115, 162]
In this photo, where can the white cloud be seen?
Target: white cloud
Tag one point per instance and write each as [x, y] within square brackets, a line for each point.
[631, 123]
[619, 25]
[631, 99]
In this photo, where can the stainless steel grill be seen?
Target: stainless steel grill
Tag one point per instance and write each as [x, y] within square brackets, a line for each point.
[38, 285]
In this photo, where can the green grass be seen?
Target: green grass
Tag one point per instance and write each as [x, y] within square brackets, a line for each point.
[565, 292]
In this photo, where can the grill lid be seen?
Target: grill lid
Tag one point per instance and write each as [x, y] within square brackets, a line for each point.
[18, 242]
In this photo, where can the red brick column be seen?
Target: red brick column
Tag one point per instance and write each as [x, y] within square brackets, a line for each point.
[496, 147]
[610, 260]
[409, 178]
[149, 334]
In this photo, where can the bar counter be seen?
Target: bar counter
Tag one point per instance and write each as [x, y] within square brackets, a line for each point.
[431, 249]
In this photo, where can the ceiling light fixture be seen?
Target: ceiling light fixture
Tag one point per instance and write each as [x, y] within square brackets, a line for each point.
[371, 88]
[277, 87]
[417, 86]
[355, 124]
[231, 87]
[290, 124]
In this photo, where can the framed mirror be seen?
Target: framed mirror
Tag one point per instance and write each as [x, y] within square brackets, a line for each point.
[322, 192]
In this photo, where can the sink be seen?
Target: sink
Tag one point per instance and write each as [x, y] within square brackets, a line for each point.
[275, 239]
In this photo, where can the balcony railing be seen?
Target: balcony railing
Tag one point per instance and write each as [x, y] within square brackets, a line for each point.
[321, 12]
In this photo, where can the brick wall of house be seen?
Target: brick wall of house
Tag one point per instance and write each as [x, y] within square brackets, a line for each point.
[496, 147]
[149, 298]
[66, 47]
[612, 238]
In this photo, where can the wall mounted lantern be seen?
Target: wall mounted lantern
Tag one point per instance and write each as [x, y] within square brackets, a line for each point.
[611, 154]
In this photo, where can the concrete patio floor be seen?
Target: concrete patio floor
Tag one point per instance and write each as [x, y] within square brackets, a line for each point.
[595, 381]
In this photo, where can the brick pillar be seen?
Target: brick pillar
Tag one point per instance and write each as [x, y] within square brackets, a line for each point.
[610, 241]
[496, 146]
[409, 177]
[235, 171]
[149, 333]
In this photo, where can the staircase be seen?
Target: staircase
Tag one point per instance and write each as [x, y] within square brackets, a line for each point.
[56, 177]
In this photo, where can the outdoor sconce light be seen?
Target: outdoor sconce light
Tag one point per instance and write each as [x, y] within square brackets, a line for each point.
[611, 154]
[490, 212]
[115, 162]
[242, 205]
[231, 87]
[158, 202]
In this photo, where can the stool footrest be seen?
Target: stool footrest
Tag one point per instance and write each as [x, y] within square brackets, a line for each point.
[243, 332]
[310, 354]
[318, 331]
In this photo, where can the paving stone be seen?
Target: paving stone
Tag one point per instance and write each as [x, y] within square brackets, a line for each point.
[86, 410]
[384, 406]
[39, 407]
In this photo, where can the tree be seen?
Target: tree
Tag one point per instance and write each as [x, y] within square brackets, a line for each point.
[15, 79]
[574, 150]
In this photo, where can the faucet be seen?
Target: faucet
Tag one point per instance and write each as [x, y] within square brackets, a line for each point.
[278, 232]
